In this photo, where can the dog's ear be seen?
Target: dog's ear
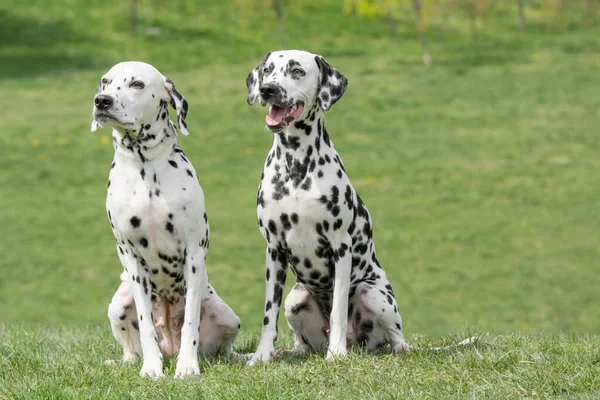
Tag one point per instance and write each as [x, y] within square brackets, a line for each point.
[332, 84]
[94, 122]
[179, 104]
[253, 80]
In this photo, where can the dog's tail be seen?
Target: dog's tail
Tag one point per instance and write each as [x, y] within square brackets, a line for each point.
[452, 347]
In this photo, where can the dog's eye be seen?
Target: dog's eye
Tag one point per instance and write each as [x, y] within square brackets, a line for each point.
[265, 70]
[104, 81]
[298, 72]
[137, 85]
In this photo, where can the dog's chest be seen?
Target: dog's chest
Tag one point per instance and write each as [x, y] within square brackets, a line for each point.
[305, 214]
[154, 208]
[292, 204]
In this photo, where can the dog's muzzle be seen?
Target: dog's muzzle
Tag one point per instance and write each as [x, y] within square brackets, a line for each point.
[280, 114]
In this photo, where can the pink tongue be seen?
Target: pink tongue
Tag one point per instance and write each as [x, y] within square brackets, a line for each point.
[276, 115]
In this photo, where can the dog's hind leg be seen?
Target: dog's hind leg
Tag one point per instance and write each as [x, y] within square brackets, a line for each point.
[219, 325]
[306, 320]
[375, 318]
[122, 315]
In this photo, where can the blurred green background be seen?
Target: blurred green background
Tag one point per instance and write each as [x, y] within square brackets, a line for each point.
[480, 170]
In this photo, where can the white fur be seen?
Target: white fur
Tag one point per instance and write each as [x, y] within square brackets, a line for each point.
[156, 209]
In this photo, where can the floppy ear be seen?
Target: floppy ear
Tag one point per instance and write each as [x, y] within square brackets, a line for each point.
[179, 104]
[94, 122]
[253, 80]
[332, 84]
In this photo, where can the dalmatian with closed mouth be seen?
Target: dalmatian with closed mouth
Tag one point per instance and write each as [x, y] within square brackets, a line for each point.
[155, 205]
[314, 220]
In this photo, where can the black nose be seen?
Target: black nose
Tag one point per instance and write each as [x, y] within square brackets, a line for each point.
[267, 90]
[103, 101]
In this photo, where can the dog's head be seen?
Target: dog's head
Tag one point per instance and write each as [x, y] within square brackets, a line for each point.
[291, 82]
[134, 95]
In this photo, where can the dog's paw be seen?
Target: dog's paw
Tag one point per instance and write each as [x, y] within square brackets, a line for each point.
[152, 369]
[336, 353]
[401, 348]
[129, 358]
[260, 357]
[187, 368]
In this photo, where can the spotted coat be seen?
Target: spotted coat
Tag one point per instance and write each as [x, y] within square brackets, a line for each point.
[155, 206]
[313, 219]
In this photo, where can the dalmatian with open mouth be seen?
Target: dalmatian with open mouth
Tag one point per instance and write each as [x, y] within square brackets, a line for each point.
[314, 221]
[165, 303]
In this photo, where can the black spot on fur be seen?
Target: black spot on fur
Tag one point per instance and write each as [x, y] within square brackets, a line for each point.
[337, 224]
[301, 125]
[272, 227]
[285, 220]
[135, 221]
[281, 276]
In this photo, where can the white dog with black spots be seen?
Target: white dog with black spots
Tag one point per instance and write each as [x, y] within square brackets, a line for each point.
[314, 221]
[165, 303]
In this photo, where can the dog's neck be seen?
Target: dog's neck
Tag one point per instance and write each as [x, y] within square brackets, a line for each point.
[307, 137]
[144, 144]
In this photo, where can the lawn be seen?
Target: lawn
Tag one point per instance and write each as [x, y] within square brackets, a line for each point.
[480, 173]
[61, 364]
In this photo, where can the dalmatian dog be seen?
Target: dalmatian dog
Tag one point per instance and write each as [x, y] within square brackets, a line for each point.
[314, 221]
[165, 303]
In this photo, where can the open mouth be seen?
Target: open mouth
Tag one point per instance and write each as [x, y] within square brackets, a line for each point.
[280, 117]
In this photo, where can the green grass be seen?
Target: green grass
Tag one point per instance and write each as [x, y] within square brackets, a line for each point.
[480, 174]
[60, 364]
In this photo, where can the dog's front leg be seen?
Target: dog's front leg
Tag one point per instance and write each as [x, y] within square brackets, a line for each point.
[152, 357]
[275, 281]
[339, 308]
[195, 280]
